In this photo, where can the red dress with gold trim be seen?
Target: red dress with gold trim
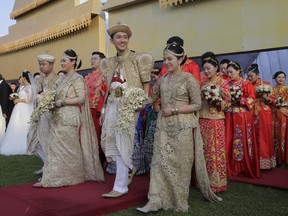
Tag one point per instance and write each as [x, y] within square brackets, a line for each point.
[262, 115]
[212, 125]
[241, 145]
[281, 125]
[225, 77]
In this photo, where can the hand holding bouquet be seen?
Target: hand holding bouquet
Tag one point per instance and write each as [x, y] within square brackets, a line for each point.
[263, 90]
[46, 104]
[132, 100]
[236, 93]
[212, 94]
[280, 102]
[14, 96]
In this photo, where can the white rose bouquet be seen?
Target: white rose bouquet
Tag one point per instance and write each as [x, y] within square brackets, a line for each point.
[212, 94]
[131, 100]
[46, 104]
[263, 89]
[14, 96]
[280, 102]
[236, 93]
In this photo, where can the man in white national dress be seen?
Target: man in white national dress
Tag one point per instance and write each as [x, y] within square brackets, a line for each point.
[38, 136]
[126, 69]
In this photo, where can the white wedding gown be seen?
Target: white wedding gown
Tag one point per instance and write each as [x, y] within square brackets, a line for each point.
[14, 140]
[2, 125]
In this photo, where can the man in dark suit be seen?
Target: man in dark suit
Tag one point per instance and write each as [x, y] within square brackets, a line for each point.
[5, 102]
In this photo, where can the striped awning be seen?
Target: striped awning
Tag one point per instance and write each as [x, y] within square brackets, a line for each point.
[164, 3]
[24, 6]
[59, 30]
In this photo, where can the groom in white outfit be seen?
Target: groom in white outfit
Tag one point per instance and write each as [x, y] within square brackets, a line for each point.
[38, 136]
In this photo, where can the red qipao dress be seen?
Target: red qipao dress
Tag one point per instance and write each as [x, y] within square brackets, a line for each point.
[262, 117]
[212, 125]
[281, 125]
[225, 77]
[97, 89]
[189, 66]
[241, 145]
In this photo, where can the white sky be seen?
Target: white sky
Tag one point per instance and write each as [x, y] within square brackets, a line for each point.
[6, 7]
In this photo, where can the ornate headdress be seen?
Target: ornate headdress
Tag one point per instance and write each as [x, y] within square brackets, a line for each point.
[235, 65]
[210, 59]
[46, 57]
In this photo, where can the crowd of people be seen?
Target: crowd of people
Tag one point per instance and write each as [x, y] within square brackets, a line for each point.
[218, 121]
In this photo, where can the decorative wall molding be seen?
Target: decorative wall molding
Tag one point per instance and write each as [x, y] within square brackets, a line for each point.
[165, 3]
[28, 7]
[59, 30]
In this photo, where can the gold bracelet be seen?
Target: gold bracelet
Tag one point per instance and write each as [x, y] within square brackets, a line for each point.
[172, 111]
[176, 111]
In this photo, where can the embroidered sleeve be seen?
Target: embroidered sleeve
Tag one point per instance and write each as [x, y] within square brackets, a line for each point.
[79, 87]
[194, 92]
[272, 99]
[156, 90]
[225, 89]
[248, 97]
[145, 65]
[29, 93]
[104, 68]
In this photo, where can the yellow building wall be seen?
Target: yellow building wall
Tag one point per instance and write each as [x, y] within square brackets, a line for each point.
[221, 26]
[84, 41]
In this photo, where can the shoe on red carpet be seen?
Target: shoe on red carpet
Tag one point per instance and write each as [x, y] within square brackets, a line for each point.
[38, 185]
[113, 194]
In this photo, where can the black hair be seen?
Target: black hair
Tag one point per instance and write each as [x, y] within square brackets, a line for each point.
[254, 68]
[176, 40]
[176, 50]
[25, 74]
[71, 54]
[234, 65]
[225, 61]
[101, 55]
[1, 77]
[209, 57]
[278, 73]
[13, 83]
[35, 74]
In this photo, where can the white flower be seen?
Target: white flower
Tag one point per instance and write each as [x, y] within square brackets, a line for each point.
[14, 96]
[212, 93]
[46, 104]
[132, 99]
[235, 92]
[262, 89]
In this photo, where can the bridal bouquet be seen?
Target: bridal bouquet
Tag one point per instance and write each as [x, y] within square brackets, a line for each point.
[46, 104]
[280, 102]
[131, 100]
[263, 89]
[14, 96]
[212, 93]
[236, 93]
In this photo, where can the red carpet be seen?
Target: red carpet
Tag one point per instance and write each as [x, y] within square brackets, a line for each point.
[277, 178]
[84, 199]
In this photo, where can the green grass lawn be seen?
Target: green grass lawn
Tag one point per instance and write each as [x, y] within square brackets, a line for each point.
[240, 199]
